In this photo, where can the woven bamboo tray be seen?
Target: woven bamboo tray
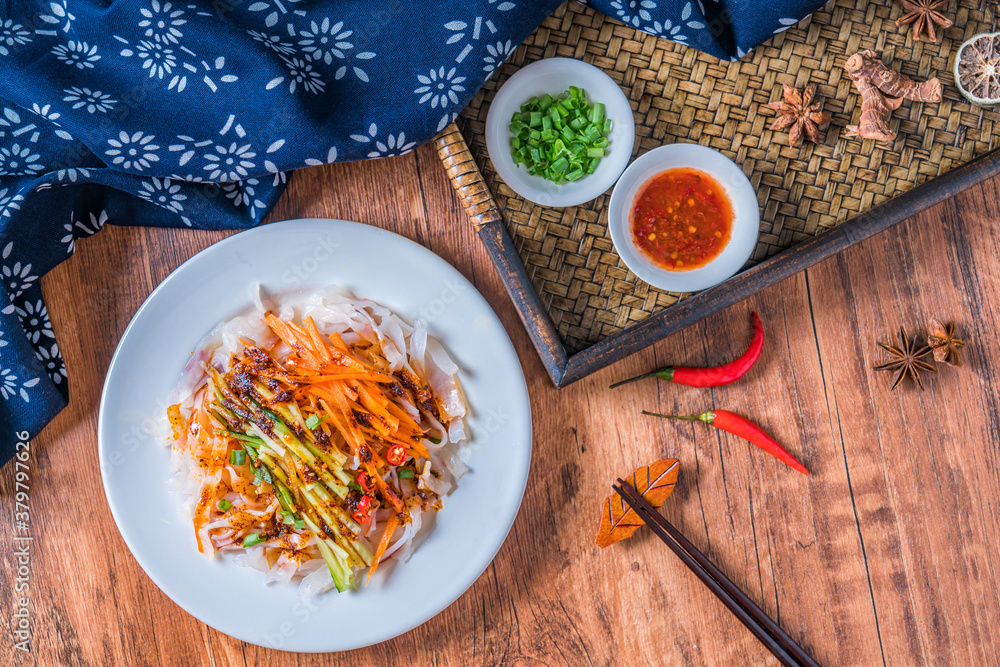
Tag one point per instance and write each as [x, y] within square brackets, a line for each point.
[583, 308]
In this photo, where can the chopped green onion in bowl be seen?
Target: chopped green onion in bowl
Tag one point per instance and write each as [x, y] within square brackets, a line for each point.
[560, 138]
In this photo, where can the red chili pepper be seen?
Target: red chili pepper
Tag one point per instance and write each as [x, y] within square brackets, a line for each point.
[363, 508]
[365, 503]
[365, 481]
[396, 455]
[743, 428]
[715, 376]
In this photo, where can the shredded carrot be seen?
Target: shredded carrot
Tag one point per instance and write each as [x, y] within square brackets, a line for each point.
[317, 341]
[352, 395]
[383, 544]
[417, 449]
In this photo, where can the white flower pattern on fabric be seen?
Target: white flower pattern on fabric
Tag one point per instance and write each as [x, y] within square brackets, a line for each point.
[272, 42]
[92, 100]
[133, 152]
[392, 145]
[475, 29]
[496, 54]
[786, 23]
[10, 119]
[70, 238]
[162, 21]
[187, 178]
[77, 54]
[17, 277]
[164, 193]
[17, 160]
[156, 57]
[636, 13]
[12, 34]
[72, 174]
[229, 164]
[327, 42]
[324, 41]
[243, 193]
[86, 229]
[460, 29]
[96, 224]
[331, 157]
[35, 320]
[48, 114]
[2, 341]
[9, 385]
[162, 59]
[279, 6]
[58, 12]
[440, 87]
[53, 362]
[633, 12]
[301, 73]
[9, 202]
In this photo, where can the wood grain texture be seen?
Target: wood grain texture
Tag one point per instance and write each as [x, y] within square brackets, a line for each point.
[884, 555]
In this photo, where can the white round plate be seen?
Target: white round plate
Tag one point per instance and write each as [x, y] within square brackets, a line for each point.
[746, 216]
[213, 286]
[554, 76]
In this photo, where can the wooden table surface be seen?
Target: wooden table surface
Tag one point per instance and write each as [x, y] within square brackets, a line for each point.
[885, 555]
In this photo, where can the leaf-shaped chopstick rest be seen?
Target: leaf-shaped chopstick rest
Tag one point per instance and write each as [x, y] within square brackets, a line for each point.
[655, 482]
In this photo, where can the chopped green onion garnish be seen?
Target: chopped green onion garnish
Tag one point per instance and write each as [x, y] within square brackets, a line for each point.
[354, 486]
[314, 421]
[436, 441]
[251, 539]
[237, 457]
[405, 473]
[287, 518]
[560, 139]
[224, 505]
[300, 524]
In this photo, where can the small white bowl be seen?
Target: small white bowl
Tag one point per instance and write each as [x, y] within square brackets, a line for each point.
[554, 76]
[746, 216]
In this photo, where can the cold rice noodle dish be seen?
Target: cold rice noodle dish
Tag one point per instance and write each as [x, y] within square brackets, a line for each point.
[311, 438]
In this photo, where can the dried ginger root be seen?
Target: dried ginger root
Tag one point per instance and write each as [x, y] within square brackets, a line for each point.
[873, 78]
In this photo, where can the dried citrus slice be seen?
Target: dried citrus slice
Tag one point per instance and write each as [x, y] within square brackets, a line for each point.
[977, 69]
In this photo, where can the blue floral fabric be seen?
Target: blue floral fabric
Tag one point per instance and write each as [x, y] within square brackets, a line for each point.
[190, 114]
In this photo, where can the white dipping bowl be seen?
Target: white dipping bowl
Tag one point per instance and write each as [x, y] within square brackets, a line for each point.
[554, 76]
[746, 216]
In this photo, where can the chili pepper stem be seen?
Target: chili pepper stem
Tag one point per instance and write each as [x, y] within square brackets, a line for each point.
[707, 417]
[662, 373]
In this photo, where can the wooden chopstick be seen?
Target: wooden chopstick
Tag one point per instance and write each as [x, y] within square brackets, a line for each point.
[753, 617]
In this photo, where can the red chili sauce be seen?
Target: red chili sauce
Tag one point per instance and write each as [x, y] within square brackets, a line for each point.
[681, 219]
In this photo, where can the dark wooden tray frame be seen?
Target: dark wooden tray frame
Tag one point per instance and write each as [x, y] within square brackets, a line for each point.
[565, 368]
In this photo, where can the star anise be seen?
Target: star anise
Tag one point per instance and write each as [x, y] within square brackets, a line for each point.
[923, 16]
[798, 112]
[906, 360]
[942, 340]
